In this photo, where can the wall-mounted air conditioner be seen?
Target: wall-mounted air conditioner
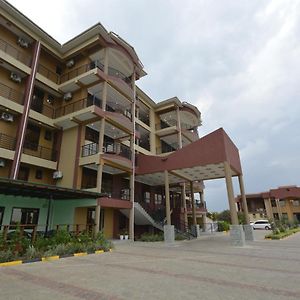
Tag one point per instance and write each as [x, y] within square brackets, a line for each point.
[2, 163]
[7, 117]
[70, 63]
[22, 42]
[68, 96]
[15, 77]
[57, 175]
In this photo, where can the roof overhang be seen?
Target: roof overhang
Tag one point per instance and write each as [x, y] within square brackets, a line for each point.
[28, 189]
[201, 160]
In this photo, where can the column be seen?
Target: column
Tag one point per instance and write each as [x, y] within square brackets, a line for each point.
[24, 117]
[236, 231]
[132, 148]
[201, 194]
[183, 198]
[169, 233]
[99, 188]
[269, 209]
[244, 200]
[179, 128]
[195, 227]
[278, 209]
[248, 229]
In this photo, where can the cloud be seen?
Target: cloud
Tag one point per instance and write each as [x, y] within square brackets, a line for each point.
[237, 61]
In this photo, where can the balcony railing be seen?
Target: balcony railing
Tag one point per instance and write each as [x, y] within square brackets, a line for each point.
[77, 105]
[11, 94]
[166, 148]
[118, 108]
[7, 142]
[81, 70]
[15, 53]
[115, 73]
[89, 149]
[163, 125]
[48, 73]
[39, 151]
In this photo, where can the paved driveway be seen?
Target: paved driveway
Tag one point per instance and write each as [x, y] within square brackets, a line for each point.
[207, 268]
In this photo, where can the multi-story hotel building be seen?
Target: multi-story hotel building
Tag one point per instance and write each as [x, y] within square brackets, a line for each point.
[72, 117]
[280, 203]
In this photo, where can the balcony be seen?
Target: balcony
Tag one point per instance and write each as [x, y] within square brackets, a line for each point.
[44, 71]
[81, 70]
[77, 105]
[115, 73]
[7, 142]
[108, 148]
[166, 148]
[36, 150]
[11, 94]
[15, 53]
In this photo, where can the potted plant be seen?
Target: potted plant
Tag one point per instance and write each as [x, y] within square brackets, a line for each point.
[126, 235]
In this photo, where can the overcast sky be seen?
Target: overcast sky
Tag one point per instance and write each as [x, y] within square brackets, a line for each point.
[237, 61]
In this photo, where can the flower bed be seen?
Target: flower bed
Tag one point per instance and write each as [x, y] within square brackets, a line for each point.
[62, 243]
[281, 235]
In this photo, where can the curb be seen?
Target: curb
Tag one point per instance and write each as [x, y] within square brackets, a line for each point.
[49, 258]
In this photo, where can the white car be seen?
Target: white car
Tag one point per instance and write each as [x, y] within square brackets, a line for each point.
[261, 224]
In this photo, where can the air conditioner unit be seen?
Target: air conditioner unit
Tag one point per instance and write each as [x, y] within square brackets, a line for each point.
[2, 163]
[7, 117]
[70, 63]
[57, 175]
[23, 43]
[15, 77]
[68, 96]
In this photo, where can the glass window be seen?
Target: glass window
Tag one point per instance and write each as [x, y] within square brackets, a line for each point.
[24, 216]
[158, 199]
[1, 214]
[281, 203]
[147, 197]
[91, 216]
[125, 194]
[296, 203]
[23, 173]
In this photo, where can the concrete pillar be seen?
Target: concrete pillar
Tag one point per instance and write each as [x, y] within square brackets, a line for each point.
[278, 209]
[193, 204]
[289, 210]
[179, 128]
[106, 60]
[167, 196]
[230, 194]
[201, 194]
[269, 209]
[97, 219]
[183, 199]
[152, 132]
[244, 200]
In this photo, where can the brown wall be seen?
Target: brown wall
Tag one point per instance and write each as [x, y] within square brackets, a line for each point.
[5, 79]
[4, 171]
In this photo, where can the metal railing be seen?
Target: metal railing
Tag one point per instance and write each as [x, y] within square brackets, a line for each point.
[38, 106]
[7, 142]
[117, 148]
[163, 125]
[77, 105]
[89, 149]
[48, 73]
[15, 53]
[81, 70]
[11, 94]
[39, 151]
[119, 108]
[167, 148]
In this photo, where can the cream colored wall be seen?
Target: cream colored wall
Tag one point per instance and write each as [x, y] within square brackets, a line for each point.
[4, 171]
[5, 79]
[48, 61]
[80, 215]
[108, 222]
[9, 128]
[67, 157]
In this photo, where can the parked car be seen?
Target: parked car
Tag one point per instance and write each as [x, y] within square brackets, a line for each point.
[261, 224]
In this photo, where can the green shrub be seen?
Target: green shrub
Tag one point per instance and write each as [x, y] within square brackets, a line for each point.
[223, 226]
[6, 256]
[279, 235]
[32, 253]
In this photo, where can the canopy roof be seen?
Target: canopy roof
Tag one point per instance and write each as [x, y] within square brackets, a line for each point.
[27, 189]
[201, 160]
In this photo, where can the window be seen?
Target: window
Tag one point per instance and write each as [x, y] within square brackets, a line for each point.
[296, 202]
[39, 174]
[281, 203]
[125, 194]
[285, 216]
[32, 137]
[48, 135]
[147, 197]
[23, 173]
[273, 203]
[158, 199]
[91, 213]
[1, 215]
[24, 216]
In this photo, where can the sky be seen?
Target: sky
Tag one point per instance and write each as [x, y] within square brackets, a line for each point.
[237, 61]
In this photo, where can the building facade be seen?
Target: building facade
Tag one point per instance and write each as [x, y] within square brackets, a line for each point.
[72, 116]
[280, 203]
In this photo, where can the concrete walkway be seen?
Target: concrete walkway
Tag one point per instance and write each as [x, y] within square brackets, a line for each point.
[207, 268]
